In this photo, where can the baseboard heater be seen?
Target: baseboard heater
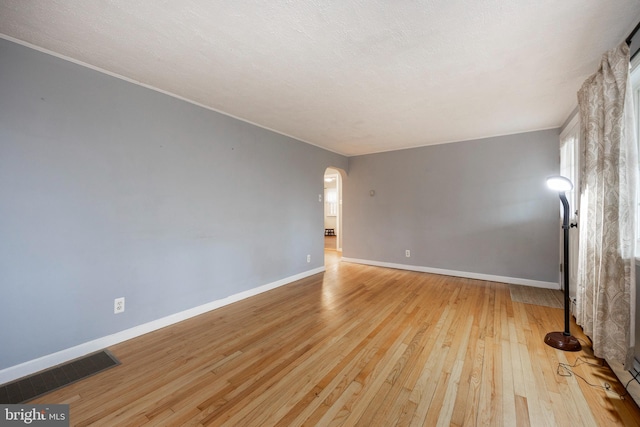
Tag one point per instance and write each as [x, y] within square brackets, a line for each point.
[635, 370]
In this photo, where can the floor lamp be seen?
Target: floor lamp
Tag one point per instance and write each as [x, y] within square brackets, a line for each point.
[563, 340]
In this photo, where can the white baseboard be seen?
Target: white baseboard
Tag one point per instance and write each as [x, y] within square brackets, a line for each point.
[32, 366]
[479, 276]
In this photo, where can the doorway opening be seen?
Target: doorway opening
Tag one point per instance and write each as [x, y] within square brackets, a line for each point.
[332, 215]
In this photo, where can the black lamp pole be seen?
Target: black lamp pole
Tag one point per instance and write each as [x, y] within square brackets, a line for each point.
[563, 340]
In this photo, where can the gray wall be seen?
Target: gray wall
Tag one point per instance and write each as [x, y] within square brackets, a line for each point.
[108, 189]
[475, 206]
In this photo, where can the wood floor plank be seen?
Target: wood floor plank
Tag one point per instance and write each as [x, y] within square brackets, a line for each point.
[508, 393]
[356, 345]
[522, 412]
[487, 387]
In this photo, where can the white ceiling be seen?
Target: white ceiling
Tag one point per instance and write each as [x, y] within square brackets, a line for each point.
[353, 76]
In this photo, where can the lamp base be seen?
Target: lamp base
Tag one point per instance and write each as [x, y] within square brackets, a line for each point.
[562, 342]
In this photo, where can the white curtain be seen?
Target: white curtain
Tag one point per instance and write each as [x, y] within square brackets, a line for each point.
[606, 260]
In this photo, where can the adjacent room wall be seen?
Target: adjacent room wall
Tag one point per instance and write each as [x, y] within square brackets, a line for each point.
[109, 189]
[477, 207]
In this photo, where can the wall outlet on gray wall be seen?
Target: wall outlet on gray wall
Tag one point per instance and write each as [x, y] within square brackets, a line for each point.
[118, 305]
[407, 253]
[308, 258]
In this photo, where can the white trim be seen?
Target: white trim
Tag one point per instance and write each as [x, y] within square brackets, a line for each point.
[27, 368]
[171, 94]
[297, 138]
[570, 127]
[635, 92]
[453, 141]
[465, 274]
[634, 63]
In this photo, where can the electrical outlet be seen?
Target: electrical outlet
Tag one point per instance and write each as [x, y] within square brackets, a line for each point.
[407, 253]
[308, 258]
[118, 305]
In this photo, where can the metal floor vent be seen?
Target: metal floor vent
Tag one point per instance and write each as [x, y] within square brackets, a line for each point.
[27, 388]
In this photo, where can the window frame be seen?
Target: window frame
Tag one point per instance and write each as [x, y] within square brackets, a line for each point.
[634, 73]
[570, 163]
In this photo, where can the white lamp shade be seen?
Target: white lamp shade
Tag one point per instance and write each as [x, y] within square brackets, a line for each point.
[559, 183]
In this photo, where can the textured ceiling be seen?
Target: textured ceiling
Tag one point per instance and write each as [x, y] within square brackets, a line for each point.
[353, 76]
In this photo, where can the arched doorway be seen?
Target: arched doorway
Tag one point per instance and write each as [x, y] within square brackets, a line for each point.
[332, 214]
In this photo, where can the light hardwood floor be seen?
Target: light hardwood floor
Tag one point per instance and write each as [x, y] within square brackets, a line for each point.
[356, 345]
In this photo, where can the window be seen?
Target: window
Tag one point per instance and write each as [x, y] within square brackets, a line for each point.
[569, 168]
[332, 202]
[331, 195]
[569, 162]
[635, 88]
